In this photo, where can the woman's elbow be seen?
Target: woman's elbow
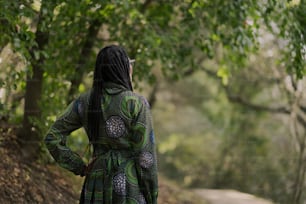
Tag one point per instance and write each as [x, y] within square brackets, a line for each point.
[49, 141]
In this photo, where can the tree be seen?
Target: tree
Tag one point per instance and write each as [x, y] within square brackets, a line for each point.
[34, 82]
[56, 40]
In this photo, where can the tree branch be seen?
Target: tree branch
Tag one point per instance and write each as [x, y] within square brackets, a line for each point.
[303, 108]
[145, 5]
[256, 107]
[301, 120]
[152, 96]
[191, 70]
[211, 73]
[90, 38]
[246, 103]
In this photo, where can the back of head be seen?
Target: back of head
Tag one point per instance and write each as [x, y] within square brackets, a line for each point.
[112, 65]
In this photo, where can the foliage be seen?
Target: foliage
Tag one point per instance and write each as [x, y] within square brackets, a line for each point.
[290, 26]
[180, 35]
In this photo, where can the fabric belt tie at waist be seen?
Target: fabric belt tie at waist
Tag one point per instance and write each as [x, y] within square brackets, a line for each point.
[115, 154]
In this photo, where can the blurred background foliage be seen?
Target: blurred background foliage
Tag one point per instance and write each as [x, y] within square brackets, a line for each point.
[224, 79]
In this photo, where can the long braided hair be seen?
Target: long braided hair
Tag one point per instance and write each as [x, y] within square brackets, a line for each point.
[112, 65]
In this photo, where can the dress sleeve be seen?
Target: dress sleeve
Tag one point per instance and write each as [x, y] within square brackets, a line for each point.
[146, 165]
[57, 135]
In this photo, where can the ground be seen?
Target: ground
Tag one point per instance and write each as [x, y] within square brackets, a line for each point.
[229, 197]
[38, 182]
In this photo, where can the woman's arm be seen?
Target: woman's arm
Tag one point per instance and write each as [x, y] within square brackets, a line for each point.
[57, 136]
[147, 163]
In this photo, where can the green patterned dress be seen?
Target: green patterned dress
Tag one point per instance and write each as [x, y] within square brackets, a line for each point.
[124, 170]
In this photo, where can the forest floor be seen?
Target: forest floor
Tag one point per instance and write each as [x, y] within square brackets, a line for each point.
[229, 197]
[31, 183]
[35, 183]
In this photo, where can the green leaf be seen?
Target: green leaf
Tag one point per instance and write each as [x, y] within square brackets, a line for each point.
[223, 73]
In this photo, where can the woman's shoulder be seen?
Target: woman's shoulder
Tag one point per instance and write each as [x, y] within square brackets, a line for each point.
[84, 97]
[133, 102]
[138, 98]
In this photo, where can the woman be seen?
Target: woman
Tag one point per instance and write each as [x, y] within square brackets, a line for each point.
[119, 126]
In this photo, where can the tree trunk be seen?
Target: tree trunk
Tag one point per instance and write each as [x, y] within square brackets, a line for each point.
[85, 53]
[29, 135]
[298, 185]
[152, 96]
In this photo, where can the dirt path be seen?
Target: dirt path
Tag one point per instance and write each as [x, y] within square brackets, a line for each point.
[229, 197]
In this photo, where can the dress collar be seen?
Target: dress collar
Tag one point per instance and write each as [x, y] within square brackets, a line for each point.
[113, 88]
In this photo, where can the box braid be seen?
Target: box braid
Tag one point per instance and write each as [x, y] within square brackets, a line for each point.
[112, 65]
